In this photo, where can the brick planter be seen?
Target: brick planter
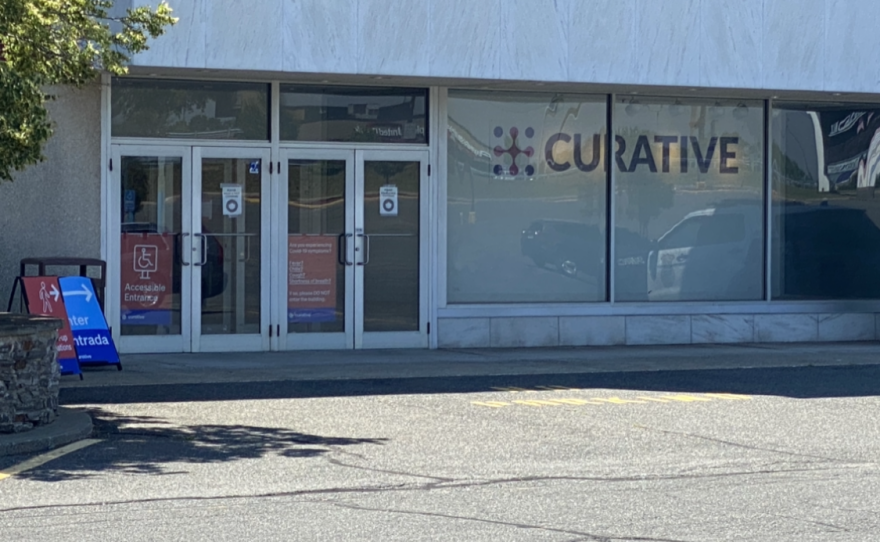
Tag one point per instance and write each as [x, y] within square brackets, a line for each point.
[29, 373]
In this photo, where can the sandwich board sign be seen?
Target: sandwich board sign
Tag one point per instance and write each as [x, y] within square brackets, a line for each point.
[91, 335]
[43, 298]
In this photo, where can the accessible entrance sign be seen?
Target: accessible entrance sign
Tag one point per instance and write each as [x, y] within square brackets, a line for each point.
[43, 298]
[147, 269]
[91, 335]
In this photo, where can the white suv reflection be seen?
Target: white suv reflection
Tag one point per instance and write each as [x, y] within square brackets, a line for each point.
[712, 254]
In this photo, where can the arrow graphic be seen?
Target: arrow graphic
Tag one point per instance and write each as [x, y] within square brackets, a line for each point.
[54, 292]
[85, 291]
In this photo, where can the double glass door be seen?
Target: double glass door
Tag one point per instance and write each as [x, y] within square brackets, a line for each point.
[354, 249]
[219, 249]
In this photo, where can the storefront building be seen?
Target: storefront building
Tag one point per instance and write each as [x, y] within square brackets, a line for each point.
[383, 173]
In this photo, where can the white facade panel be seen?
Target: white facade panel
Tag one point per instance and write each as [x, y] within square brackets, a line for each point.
[794, 45]
[318, 37]
[183, 45]
[846, 327]
[393, 45]
[731, 54]
[784, 45]
[244, 39]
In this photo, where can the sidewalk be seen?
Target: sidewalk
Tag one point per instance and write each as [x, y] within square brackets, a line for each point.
[165, 369]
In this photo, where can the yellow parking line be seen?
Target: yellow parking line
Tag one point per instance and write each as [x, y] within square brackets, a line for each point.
[685, 398]
[492, 404]
[42, 459]
[577, 402]
[654, 399]
[536, 403]
[729, 396]
[617, 401]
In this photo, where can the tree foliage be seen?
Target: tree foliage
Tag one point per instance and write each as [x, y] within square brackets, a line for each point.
[59, 42]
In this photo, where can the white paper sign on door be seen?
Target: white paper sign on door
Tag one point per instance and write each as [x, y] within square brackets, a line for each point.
[231, 199]
[388, 201]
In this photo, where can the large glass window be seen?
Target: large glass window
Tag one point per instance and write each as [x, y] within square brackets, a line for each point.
[526, 198]
[190, 109]
[354, 114]
[826, 220]
[689, 193]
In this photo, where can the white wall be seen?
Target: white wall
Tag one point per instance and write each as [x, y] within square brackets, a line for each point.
[827, 45]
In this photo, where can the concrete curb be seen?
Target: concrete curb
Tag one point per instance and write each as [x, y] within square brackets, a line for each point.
[70, 426]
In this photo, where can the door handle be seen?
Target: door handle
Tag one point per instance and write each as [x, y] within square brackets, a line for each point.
[342, 249]
[204, 249]
[182, 252]
[366, 239]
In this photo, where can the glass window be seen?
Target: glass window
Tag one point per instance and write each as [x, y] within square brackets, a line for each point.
[526, 198]
[689, 193]
[354, 114]
[826, 220]
[190, 109]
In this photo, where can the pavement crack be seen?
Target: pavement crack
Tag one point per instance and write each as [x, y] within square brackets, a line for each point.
[736, 444]
[583, 535]
[436, 479]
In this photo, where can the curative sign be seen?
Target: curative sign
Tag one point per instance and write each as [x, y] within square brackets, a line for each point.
[91, 335]
[311, 278]
[43, 297]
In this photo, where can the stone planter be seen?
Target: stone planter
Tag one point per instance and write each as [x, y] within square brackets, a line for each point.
[29, 372]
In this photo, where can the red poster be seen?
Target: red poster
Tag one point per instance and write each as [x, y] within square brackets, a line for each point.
[43, 297]
[147, 267]
[311, 278]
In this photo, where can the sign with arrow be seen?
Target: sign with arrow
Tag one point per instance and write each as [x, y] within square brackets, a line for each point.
[91, 335]
[43, 297]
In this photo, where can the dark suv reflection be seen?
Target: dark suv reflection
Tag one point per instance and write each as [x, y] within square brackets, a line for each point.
[574, 247]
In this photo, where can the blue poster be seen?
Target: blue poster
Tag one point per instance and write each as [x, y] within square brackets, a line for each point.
[91, 335]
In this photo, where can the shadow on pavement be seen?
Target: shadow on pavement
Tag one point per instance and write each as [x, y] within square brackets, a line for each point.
[796, 382]
[146, 445]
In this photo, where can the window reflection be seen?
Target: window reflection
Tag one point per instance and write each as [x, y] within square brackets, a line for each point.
[826, 220]
[354, 114]
[689, 199]
[190, 109]
[526, 198]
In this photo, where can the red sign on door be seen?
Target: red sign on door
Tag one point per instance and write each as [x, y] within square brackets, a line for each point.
[147, 268]
[311, 278]
[43, 298]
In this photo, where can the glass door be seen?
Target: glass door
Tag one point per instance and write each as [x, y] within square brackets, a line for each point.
[352, 274]
[148, 270]
[229, 252]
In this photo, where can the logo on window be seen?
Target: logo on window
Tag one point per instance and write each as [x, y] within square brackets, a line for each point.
[513, 152]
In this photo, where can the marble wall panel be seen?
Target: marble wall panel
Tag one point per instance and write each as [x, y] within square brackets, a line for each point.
[463, 332]
[525, 331]
[592, 330]
[722, 328]
[786, 328]
[672, 329]
[846, 327]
